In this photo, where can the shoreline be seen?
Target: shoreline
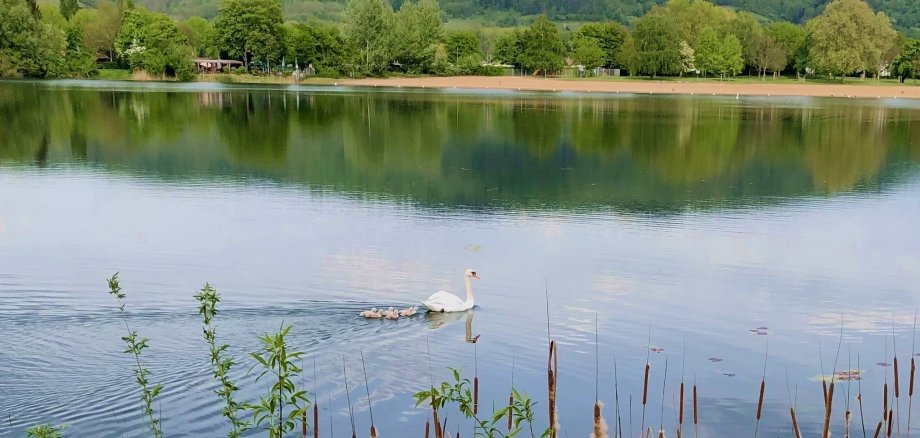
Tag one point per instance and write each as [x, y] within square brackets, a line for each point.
[766, 89]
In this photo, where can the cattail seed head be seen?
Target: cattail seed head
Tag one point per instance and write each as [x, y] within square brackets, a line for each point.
[897, 387]
[645, 385]
[913, 367]
[827, 411]
[795, 424]
[696, 418]
[680, 411]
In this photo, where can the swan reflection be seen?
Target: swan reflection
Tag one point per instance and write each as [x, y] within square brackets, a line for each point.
[437, 320]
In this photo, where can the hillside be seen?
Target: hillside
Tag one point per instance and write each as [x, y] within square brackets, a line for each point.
[904, 13]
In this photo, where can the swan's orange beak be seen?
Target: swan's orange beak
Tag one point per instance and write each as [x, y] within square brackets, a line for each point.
[476, 276]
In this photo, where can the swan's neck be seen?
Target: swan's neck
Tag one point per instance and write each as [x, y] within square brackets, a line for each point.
[469, 293]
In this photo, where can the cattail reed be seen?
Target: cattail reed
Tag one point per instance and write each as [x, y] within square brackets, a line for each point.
[795, 424]
[510, 412]
[763, 386]
[645, 393]
[878, 429]
[910, 386]
[696, 417]
[475, 395]
[475, 381]
[303, 424]
[351, 413]
[897, 387]
[552, 371]
[427, 428]
[315, 402]
[885, 399]
[370, 406]
[910, 394]
[680, 410]
[890, 420]
[511, 396]
[600, 425]
[664, 386]
[315, 420]
[862, 418]
[827, 410]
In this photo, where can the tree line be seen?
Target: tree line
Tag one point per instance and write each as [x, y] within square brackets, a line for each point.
[678, 38]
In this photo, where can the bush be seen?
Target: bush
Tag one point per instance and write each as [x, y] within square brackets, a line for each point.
[328, 72]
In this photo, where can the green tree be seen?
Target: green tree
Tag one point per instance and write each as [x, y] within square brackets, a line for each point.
[687, 58]
[748, 30]
[28, 46]
[462, 44]
[80, 61]
[907, 64]
[319, 45]
[415, 30]
[849, 37]
[200, 35]
[708, 51]
[690, 17]
[68, 8]
[657, 45]
[628, 57]
[609, 36]
[542, 47]
[151, 41]
[732, 56]
[366, 26]
[790, 37]
[99, 26]
[768, 54]
[508, 47]
[587, 52]
[250, 30]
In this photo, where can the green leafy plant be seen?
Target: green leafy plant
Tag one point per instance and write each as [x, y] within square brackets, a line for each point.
[458, 392]
[135, 347]
[45, 431]
[279, 364]
[208, 299]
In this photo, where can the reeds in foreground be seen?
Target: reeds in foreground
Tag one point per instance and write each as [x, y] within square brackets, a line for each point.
[135, 346]
[696, 418]
[552, 370]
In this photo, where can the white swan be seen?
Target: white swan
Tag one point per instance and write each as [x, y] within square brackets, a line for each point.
[447, 302]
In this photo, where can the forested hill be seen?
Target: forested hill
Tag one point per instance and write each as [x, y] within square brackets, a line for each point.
[904, 13]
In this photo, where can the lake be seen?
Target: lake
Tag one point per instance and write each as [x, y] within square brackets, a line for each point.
[714, 228]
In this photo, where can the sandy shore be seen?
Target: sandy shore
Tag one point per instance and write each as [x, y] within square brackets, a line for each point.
[649, 87]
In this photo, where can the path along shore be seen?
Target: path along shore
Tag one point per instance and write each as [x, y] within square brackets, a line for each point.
[766, 88]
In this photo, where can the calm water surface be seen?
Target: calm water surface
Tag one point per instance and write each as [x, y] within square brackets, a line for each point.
[688, 219]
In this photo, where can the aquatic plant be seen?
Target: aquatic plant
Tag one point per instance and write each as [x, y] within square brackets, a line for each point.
[135, 347]
[208, 299]
[458, 392]
[45, 431]
[279, 364]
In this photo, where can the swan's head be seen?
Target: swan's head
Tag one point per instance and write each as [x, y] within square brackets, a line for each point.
[471, 273]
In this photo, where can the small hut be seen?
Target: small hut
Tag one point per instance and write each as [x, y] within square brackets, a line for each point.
[215, 65]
